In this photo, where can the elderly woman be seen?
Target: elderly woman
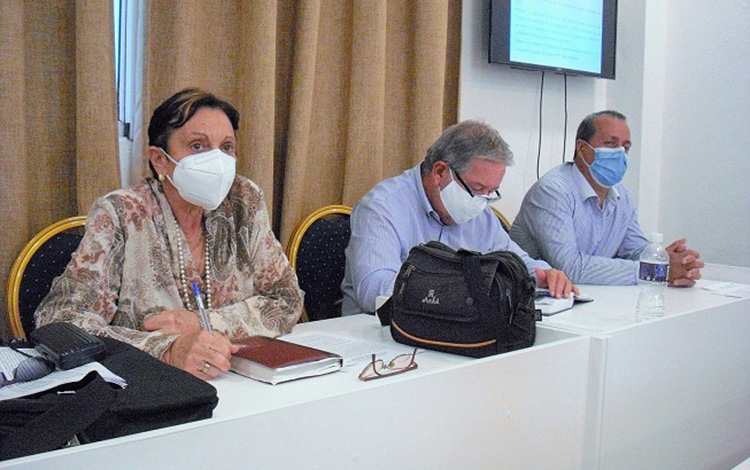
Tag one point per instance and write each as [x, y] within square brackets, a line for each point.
[195, 222]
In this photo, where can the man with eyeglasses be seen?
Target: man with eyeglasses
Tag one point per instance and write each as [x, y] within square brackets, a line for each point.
[444, 198]
[581, 219]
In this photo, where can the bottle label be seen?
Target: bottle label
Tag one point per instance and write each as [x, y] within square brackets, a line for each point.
[653, 272]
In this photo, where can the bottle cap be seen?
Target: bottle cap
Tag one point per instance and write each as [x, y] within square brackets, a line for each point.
[656, 237]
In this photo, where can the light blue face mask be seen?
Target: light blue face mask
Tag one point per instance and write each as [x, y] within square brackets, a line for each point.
[609, 166]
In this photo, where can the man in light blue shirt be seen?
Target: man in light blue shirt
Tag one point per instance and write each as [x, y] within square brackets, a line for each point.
[581, 219]
[444, 198]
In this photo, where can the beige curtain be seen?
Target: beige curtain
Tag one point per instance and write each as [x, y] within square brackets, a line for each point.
[334, 95]
[57, 119]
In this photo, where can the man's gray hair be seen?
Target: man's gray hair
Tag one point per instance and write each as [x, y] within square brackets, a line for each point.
[463, 142]
[587, 129]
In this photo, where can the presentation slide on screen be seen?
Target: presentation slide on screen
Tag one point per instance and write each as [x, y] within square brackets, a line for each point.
[557, 33]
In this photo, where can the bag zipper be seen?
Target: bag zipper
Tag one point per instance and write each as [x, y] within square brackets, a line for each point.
[453, 257]
[407, 273]
[417, 339]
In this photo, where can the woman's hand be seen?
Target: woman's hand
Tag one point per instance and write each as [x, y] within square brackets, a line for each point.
[201, 353]
[173, 322]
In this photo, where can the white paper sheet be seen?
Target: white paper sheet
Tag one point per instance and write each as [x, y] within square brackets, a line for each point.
[354, 351]
[730, 289]
[54, 379]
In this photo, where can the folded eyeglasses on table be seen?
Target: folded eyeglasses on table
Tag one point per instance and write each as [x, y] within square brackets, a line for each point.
[377, 368]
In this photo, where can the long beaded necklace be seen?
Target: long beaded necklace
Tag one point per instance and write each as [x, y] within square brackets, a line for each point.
[183, 277]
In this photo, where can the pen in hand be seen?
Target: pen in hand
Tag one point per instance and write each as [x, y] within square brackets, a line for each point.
[205, 322]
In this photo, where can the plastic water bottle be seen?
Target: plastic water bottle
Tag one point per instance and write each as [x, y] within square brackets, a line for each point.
[653, 275]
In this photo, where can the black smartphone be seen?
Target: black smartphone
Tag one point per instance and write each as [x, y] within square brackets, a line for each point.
[67, 345]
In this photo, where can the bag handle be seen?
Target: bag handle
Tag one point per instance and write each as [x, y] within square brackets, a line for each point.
[58, 425]
[471, 264]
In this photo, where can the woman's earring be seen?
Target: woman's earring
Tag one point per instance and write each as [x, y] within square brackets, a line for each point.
[161, 178]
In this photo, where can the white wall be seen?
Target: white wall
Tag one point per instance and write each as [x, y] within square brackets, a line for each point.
[682, 81]
[706, 130]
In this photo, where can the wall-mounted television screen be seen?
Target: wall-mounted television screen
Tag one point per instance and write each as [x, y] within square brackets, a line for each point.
[575, 37]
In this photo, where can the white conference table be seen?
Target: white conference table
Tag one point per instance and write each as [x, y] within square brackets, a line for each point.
[597, 390]
[673, 392]
[521, 409]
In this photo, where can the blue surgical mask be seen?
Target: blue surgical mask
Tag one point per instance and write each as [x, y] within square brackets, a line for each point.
[609, 165]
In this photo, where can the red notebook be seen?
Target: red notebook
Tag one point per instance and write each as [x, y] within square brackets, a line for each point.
[275, 361]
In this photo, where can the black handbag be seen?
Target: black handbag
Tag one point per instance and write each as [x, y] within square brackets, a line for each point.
[158, 395]
[462, 302]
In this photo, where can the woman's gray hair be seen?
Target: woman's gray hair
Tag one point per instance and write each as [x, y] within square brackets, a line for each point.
[461, 143]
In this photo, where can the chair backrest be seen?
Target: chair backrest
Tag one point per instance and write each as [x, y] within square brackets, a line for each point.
[39, 263]
[316, 252]
[503, 221]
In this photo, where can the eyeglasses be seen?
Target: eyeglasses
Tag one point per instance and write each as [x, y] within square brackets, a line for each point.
[491, 198]
[31, 368]
[377, 369]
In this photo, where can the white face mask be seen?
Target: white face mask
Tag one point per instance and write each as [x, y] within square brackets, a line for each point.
[461, 205]
[204, 179]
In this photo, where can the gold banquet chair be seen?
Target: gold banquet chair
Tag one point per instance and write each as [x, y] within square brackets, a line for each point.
[503, 221]
[316, 252]
[39, 263]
